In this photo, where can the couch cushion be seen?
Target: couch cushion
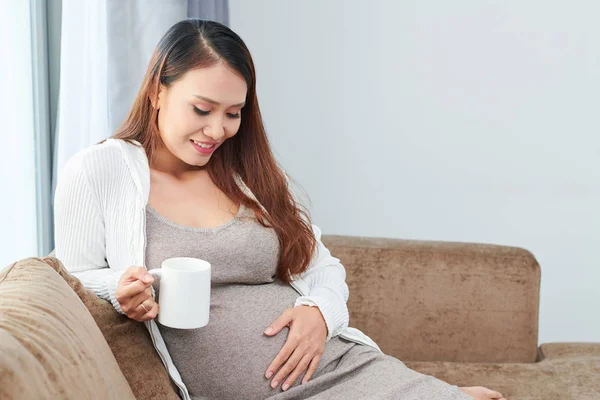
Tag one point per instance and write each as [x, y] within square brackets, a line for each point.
[129, 340]
[50, 346]
[565, 371]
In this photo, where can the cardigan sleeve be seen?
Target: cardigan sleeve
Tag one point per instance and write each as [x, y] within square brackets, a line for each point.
[326, 279]
[79, 232]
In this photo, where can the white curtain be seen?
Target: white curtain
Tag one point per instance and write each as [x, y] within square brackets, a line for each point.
[105, 49]
[82, 105]
[18, 237]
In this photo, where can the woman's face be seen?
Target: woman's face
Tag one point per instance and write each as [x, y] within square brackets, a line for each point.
[199, 111]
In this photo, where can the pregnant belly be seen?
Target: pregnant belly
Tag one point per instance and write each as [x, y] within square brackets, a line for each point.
[228, 357]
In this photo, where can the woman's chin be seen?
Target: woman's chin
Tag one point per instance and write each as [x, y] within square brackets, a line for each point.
[197, 161]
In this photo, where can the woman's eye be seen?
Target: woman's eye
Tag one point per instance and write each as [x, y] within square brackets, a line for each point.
[201, 112]
[205, 113]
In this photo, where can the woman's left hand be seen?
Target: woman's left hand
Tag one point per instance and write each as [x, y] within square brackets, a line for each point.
[303, 348]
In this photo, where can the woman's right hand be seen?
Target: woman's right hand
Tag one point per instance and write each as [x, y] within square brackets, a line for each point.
[134, 294]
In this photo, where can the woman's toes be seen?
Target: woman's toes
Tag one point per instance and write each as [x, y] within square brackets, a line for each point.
[494, 395]
[483, 393]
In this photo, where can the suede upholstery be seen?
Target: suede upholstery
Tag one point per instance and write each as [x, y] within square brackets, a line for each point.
[50, 346]
[564, 371]
[439, 298]
[433, 306]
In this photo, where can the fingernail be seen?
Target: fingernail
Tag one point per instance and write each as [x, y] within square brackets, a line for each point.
[268, 330]
[285, 386]
[269, 374]
[274, 384]
[147, 277]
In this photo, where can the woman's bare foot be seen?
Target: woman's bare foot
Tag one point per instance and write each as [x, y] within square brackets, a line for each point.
[482, 393]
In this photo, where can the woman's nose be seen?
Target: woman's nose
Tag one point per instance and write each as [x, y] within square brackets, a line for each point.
[215, 131]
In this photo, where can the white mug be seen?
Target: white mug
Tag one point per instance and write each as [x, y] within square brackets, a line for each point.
[184, 296]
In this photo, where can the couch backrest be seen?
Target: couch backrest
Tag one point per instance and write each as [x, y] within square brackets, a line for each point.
[436, 301]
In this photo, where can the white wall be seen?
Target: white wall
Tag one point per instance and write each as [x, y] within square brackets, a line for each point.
[17, 162]
[459, 121]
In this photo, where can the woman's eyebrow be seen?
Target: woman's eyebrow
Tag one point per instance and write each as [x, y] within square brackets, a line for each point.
[216, 102]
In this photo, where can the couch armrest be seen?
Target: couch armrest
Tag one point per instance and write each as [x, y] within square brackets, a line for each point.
[441, 301]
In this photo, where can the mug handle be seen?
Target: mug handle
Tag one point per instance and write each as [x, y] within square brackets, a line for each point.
[157, 273]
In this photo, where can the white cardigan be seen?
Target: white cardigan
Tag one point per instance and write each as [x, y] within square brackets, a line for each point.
[100, 230]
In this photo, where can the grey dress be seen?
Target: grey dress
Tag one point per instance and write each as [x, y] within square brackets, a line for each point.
[227, 359]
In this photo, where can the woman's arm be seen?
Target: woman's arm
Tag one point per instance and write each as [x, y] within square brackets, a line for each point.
[79, 231]
[326, 279]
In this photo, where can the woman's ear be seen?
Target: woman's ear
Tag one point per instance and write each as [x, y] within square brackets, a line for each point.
[156, 97]
[153, 101]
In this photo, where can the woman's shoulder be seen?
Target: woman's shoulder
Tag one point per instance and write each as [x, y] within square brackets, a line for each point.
[107, 154]
[106, 162]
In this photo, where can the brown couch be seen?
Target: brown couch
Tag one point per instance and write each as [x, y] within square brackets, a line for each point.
[465, 313]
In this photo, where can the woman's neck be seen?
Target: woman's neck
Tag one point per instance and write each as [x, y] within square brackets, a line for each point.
[165, 162]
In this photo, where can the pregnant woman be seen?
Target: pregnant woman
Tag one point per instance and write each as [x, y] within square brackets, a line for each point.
[191, 174]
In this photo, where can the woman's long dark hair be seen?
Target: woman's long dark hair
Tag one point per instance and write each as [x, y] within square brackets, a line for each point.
[192, 44]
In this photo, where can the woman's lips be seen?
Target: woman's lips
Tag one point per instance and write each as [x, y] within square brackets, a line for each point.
[203, 150]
